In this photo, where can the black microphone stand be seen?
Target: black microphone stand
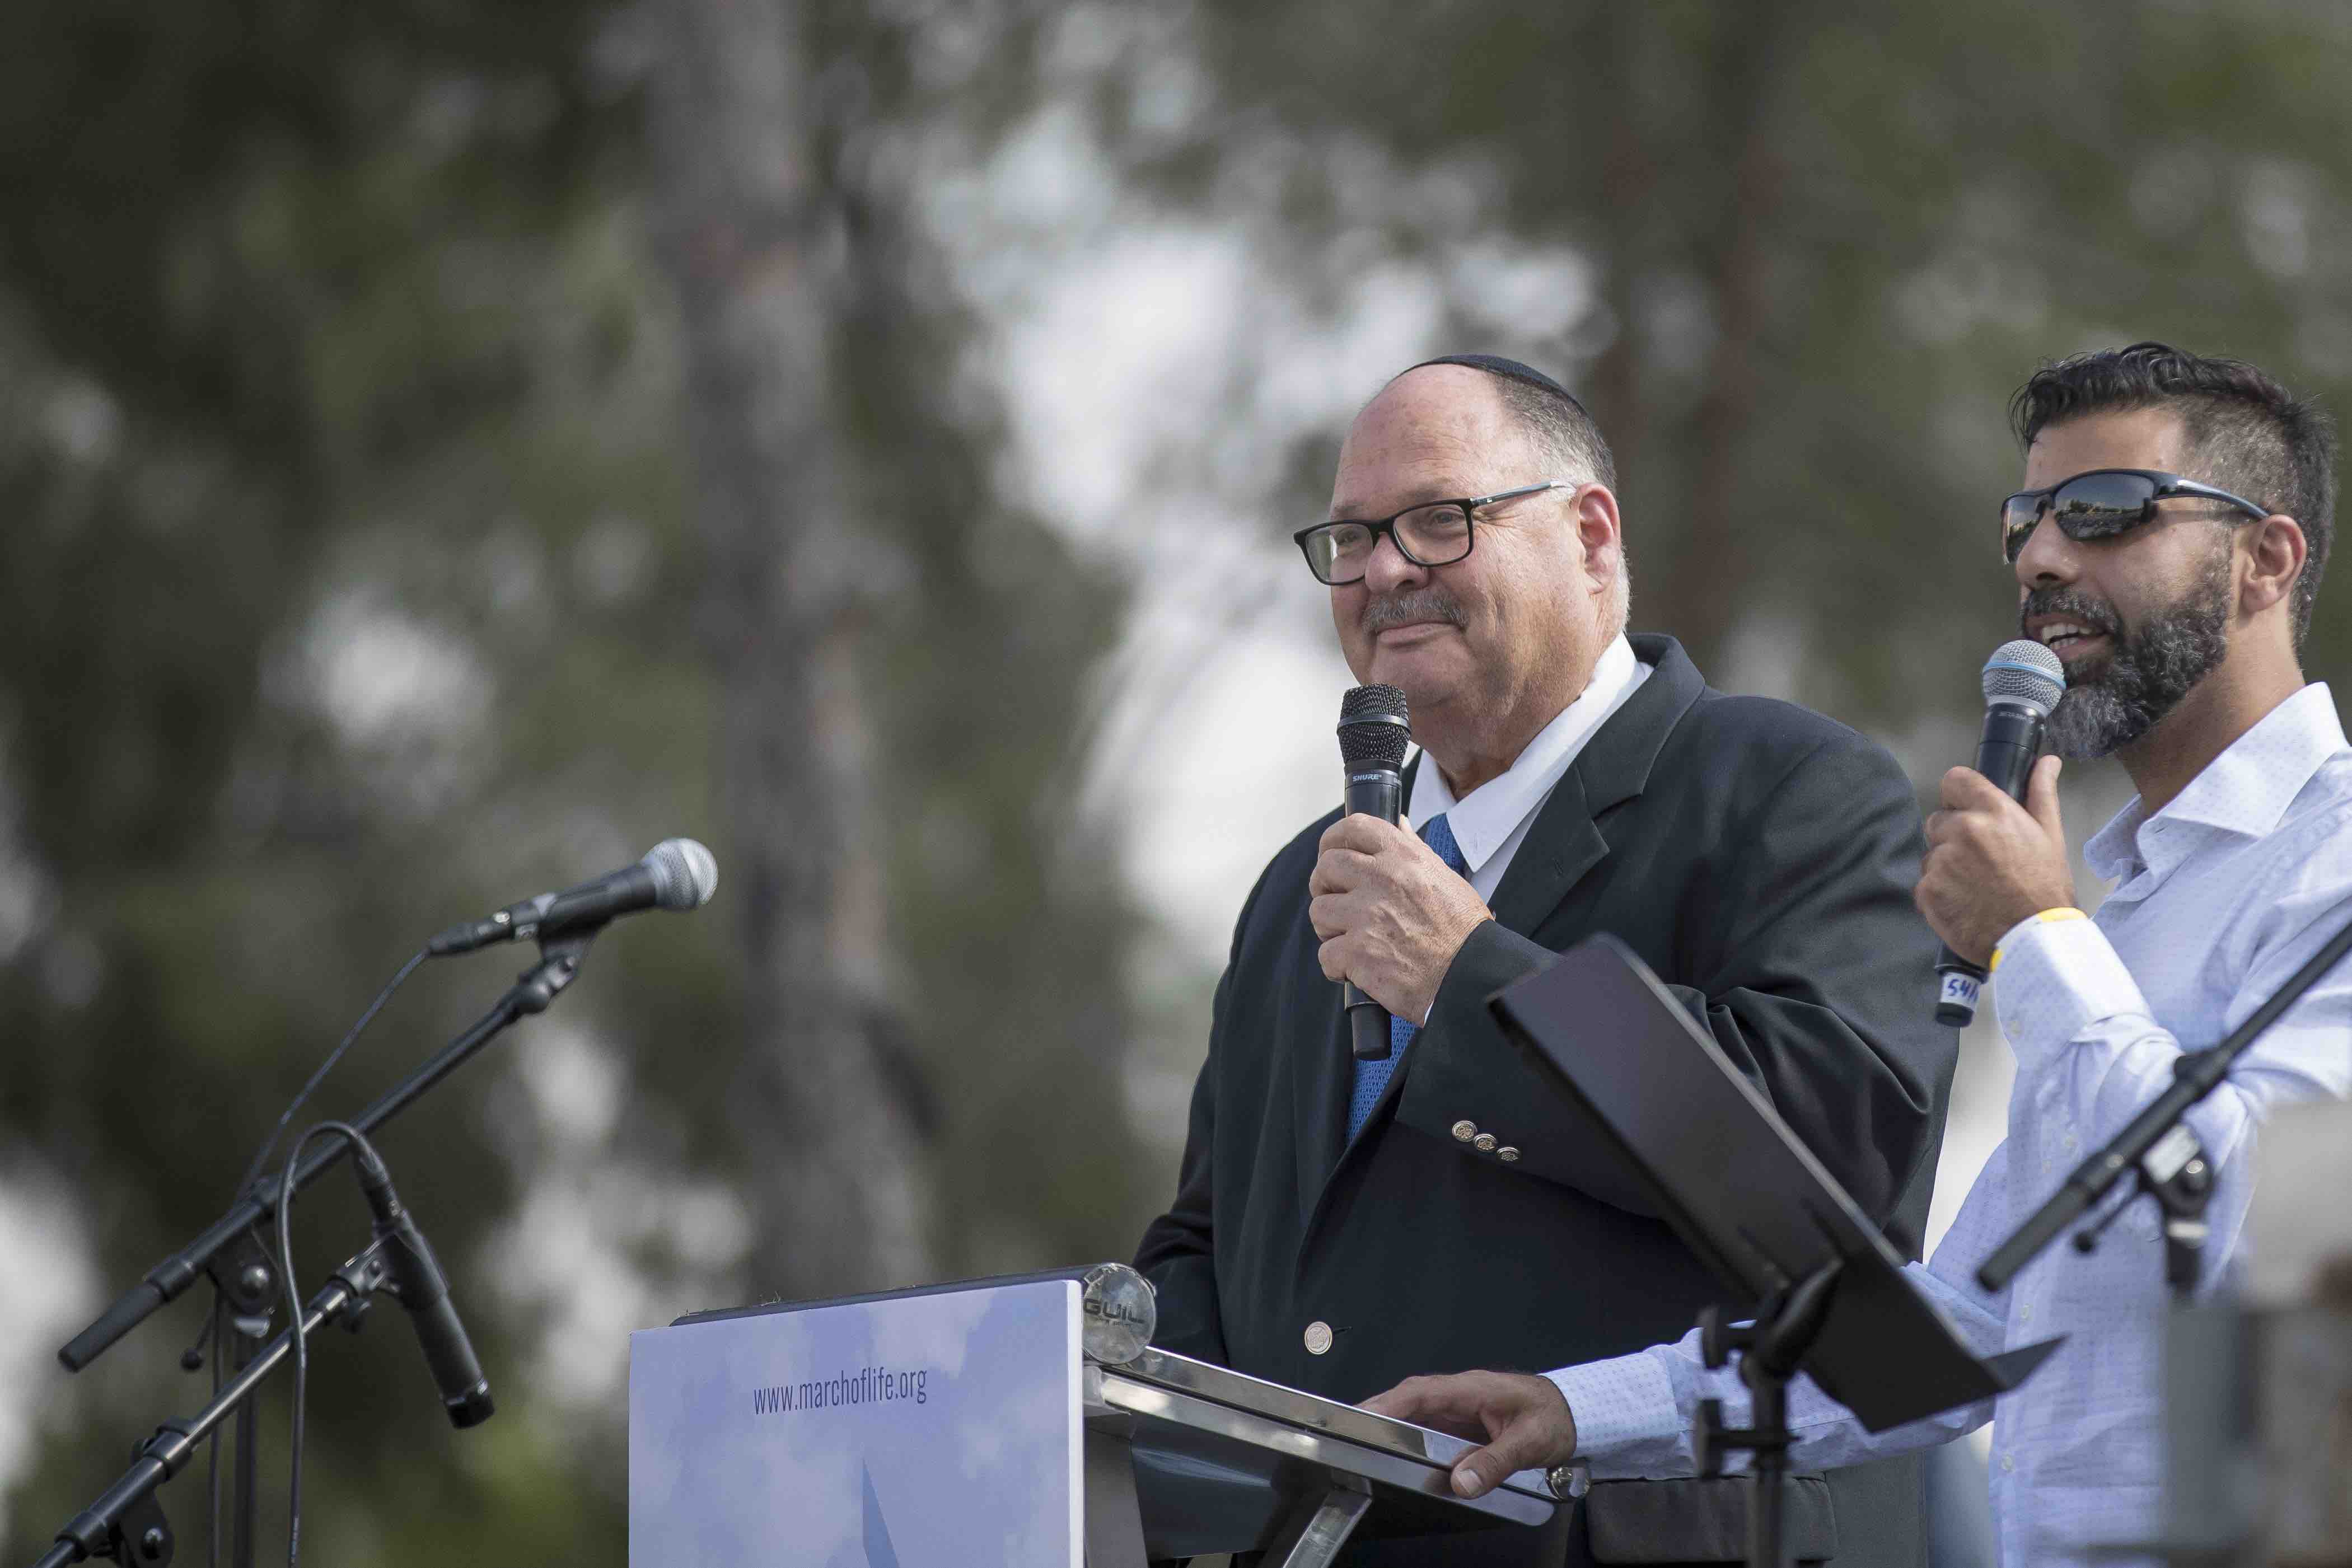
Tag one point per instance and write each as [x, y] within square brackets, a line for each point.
[2158, 1144]
[232, 1254]
[126, 1523]
[1769, 1349]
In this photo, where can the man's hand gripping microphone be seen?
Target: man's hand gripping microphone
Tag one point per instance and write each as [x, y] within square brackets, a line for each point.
[1373, 734]
[2022, 682]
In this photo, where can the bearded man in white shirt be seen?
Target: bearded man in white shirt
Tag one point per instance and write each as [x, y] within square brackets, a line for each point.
[2168, 546]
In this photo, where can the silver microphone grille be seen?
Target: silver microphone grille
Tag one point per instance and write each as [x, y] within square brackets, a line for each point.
[2024, 671]
[685, 874]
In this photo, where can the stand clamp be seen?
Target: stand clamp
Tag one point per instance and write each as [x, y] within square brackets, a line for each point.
[2174, 1173]
[1769, 1350]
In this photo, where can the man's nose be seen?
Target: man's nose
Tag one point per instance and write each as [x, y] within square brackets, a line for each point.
[2048, 559]
[1387, 570]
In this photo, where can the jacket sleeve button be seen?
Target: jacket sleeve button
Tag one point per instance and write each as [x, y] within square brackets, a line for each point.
[1464, 1131]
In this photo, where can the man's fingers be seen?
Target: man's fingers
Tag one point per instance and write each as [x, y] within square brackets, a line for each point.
[2041, 798]
[1338, 870]
[1522, 1444]
[1444, 1403]
[1336, 914]
[1364, 834]
[1477, 1473]
[1526, 1422]
[1965, 788]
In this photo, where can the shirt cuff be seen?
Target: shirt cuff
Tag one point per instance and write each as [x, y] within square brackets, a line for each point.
[1618, 1402]
[2058, 978]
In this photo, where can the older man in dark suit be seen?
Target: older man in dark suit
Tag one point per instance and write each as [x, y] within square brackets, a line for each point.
[1340, 1225]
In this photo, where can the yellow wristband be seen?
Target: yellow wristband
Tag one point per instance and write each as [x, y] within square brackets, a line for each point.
[2047, 917]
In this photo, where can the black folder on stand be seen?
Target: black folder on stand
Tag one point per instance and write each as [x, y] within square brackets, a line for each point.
[1739, 1188]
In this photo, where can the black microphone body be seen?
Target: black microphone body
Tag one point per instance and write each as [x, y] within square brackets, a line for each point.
[424, 1290]
[2022, 681]
[2012, 740]
[1374, 792]
[676, 874]
[1373, 734]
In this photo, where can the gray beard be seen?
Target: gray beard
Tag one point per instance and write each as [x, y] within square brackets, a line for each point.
[2147, 675]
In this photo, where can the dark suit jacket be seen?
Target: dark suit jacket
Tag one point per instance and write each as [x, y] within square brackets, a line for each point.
[1760, 859]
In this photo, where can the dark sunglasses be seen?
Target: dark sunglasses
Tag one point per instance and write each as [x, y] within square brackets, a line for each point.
[2101, 504]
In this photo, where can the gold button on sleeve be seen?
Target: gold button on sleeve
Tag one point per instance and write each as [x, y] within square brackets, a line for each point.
[1465, 1130]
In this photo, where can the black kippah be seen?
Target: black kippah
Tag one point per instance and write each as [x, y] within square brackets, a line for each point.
[1511, 370]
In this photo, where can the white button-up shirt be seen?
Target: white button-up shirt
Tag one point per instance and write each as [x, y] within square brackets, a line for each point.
[2217, 899]
[1491, 822]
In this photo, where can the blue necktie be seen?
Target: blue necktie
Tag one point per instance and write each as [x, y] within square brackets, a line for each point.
[1371, 1077]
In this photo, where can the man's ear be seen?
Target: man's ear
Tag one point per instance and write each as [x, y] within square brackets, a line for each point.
[2275, 551]
[1602, 533]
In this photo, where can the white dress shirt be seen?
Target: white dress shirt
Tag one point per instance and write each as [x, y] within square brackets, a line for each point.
[2216, 899]
[1491, 822]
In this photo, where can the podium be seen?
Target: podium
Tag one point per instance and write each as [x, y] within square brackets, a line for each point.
[1019, 1420]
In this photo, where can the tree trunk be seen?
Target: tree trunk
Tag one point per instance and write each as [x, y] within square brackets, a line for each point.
[1628, 180]
[751, 239]
[1715, 565]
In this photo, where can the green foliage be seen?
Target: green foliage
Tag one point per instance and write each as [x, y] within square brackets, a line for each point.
[348, 584]
[1829, 243]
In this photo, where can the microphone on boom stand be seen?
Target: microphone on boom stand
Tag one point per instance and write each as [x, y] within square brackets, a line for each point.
[676, 874]
[1373, 734]
[2022, 682]
[417, 1279]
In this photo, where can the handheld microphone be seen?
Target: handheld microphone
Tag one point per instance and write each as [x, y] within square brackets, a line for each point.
[676, 874]
[1373, 733]
[2022, 682]
[417, 1279]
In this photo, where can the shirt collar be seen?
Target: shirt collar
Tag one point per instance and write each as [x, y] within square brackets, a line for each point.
[1484, 819]
[2244, 791]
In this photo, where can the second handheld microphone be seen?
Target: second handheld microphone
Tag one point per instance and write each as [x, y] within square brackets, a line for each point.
[2022, 682]
[1373, 734]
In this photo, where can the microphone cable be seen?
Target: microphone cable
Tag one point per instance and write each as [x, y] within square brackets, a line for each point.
[218, 1339]
[355, 1140]
[261, 1156]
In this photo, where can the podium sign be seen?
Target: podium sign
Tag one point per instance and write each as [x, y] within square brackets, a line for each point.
[1024, 1421]
[901, 1430]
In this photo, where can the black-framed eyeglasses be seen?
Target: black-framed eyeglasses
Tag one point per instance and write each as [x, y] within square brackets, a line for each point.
[2101, 503]
[1435, 533]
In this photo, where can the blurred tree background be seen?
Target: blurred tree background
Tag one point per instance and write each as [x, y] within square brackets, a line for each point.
[445, 449]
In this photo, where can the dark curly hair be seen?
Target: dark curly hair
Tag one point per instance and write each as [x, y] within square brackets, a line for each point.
[2248, 434]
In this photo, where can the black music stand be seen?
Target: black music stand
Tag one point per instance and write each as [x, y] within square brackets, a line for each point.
[1746, 1196]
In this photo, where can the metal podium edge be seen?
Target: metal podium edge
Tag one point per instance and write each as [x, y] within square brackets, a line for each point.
[1223, 1385]
[1523, 1499]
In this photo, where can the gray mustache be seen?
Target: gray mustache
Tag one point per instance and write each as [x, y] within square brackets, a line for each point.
[2082, 607]
[1408, 608]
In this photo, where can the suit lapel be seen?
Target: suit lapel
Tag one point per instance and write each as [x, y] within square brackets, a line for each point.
[1614, 766]
[1557, 852]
